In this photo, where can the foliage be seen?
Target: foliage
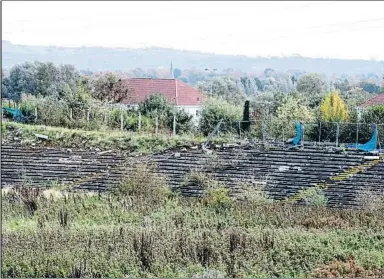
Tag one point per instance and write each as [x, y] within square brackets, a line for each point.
[354, 97]
[223, 87]
[370, 87]
[291, 110]
[130, 120]
[314, 196]
[333, 108]
[136, 234]
[177, 73]
[347, 268]
[313, 88]
[110, 88]
[246, 124]
[39, 78]
[218, 199]
[373, 114]
[215, 109]
[156, 105]
[266, 103]
[142, 183]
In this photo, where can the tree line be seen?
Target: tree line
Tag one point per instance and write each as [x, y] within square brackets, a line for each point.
[63, 93]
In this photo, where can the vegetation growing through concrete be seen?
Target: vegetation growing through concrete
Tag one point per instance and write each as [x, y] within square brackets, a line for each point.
[144, 143]
[142, 229]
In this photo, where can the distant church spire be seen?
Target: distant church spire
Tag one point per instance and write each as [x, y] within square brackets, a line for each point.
[171, 71]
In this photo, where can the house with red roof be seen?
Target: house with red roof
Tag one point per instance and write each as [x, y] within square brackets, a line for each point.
[175, 91]
[375, 101]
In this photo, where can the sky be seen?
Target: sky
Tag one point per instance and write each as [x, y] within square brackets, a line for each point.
[345, 29]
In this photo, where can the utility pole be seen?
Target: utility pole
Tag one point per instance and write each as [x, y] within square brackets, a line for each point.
[211, 71]
[264, 118]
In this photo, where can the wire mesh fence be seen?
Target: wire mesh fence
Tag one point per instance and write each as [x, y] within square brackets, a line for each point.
[130, 119]
[321, 133]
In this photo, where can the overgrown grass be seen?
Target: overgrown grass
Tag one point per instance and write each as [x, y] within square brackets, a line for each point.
[141, 229]
[110, 139]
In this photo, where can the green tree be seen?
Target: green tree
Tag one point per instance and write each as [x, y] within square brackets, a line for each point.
[110, 88]
[370, 87]
[373, 115]
[176, 73]
[4, 86]
[246, 124]
[156, 105]
[313, 89]
[354, 97]
[223, 87]
[291, 110]
[259, 84]
[42, 79]
[215, 109]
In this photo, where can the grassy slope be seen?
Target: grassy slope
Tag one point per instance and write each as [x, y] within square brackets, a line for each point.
[126, 141]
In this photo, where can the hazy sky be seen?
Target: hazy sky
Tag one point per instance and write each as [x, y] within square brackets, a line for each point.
[314, 29]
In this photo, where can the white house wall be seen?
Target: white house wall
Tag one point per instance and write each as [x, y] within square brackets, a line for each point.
[195, 111]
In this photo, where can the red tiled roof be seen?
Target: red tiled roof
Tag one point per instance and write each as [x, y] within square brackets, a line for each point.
[175, 91]
[375, 101]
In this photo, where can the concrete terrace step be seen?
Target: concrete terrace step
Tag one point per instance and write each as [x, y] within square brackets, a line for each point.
[286, 172]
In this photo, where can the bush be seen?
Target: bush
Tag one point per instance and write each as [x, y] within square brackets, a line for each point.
[293, 109]
[218, 199]
[142, 183]
[314, 196]
[214, 110]
[157, 106]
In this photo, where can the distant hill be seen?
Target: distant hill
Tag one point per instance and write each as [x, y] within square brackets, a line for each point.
[115, 59]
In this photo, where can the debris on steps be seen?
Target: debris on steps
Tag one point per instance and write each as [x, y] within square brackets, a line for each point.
[39, 136]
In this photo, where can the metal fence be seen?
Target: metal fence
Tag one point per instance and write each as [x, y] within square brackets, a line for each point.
[320, 133]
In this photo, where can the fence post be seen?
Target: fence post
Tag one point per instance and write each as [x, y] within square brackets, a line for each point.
[139, 121]
[320, 134]
[71, 114]
[156, 125]
[35, 114]
[174, 124]
[239, 130]
[263, 130]
[121, 118]
[283, 136]
[357, 133]
[337, 135]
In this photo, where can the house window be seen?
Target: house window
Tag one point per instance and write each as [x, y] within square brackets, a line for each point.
[198, 99]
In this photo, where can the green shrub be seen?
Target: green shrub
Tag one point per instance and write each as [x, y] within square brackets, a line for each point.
[144, 184]
[218, 199]
[314, 196]
[215, 109]
[3, 128]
